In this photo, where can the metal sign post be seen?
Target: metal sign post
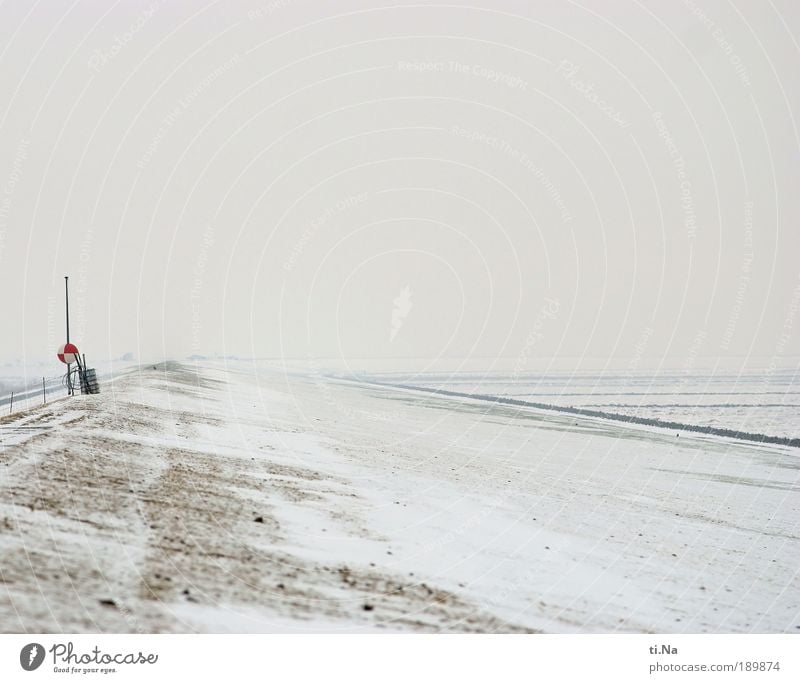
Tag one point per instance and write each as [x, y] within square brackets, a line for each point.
[69, 374]
[68, 354]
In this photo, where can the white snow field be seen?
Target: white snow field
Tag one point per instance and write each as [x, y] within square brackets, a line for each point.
[240, 498]
[753, 403]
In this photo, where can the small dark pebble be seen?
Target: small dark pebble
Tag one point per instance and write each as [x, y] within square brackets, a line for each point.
[368, 607]
[108, 603]
[259, 519]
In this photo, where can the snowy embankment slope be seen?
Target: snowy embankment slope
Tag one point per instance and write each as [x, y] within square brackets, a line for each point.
[242, 499]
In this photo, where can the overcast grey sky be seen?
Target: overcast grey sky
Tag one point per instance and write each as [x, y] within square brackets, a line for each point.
[349, 179]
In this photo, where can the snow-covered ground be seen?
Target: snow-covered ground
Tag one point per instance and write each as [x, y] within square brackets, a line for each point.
[753, 402]
[237, 497]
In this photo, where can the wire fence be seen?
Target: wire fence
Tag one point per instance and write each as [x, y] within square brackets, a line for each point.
[32, 392]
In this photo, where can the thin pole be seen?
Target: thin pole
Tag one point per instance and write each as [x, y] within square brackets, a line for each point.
[44, 392]
[66, 292]
[11, 407]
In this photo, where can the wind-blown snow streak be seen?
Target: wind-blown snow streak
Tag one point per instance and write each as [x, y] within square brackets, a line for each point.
[605, 415]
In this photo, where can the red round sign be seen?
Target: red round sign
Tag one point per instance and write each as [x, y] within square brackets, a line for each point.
[68, 353]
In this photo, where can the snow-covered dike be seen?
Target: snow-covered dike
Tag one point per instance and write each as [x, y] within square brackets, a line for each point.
[240, 498]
